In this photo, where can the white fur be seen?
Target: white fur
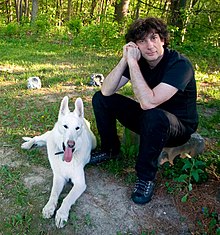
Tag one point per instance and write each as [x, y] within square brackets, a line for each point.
[71, 126]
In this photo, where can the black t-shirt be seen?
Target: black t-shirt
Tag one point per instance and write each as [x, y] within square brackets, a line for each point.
[176, 70]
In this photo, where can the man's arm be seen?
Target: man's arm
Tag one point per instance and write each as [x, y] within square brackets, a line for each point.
[148, 98]
[114, 81]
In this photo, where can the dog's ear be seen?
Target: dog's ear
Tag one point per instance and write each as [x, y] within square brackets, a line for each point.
[79, 107]
[64, 108]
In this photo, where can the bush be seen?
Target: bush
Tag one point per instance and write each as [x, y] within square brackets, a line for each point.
[98, 35]
[11, 30]
[74, 25]
[40, 26]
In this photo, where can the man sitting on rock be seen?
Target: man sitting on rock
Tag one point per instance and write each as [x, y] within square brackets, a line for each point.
[164, 111]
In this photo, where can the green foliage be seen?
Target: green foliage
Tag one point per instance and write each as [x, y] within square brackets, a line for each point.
[186, 172]
[10, 30]
[99, 35]
[20, 222]
[75, 25]
[11, 176]
[212, 227]
[40, 26]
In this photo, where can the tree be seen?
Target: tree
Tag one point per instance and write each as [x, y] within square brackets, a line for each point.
[34, 10]
[8, 10]
[69, 9]
[177, 8]
[92, 9]
[137, 9]
[121, 9]
[18, 7]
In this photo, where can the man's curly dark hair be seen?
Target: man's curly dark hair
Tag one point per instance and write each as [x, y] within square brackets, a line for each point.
[141, 27]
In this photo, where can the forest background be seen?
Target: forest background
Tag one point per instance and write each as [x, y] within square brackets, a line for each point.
[189, 20]
[64, 42]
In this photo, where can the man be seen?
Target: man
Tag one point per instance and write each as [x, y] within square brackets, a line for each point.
[164, 110]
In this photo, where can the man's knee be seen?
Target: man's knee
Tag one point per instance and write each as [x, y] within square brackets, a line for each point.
[96, 97]
[154, 118]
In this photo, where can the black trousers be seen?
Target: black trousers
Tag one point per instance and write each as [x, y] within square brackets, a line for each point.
[156, 127]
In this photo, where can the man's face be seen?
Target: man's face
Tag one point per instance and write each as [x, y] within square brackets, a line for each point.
[151, 47]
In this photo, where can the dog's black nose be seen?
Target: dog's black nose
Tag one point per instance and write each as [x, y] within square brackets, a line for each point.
[71, 143]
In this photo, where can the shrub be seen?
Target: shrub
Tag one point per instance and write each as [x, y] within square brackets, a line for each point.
[74, 25]
[11, 30]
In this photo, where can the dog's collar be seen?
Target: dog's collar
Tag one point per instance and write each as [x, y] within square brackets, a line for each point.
[61, 152]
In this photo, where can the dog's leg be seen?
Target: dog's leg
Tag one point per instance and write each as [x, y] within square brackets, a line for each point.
[77, 190]
[37, 141]
[49, 208]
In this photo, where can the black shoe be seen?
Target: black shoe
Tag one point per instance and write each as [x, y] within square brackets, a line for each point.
[101, 156]
[143, 191]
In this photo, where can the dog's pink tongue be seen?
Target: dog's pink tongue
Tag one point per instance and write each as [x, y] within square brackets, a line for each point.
[68, 153]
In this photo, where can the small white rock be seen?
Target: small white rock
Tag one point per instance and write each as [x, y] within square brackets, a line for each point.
[33, 83]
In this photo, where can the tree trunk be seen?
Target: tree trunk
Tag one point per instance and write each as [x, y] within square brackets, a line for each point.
[121, 10]
[93, 5]
[26, 8]
[81, 6]
[34, 10]
[177, 7]
[9, 12]
[104, 7]
[70, 9]
[18, 7]
[137, 9]
[176, 17]
[187, 19]
[59, 5]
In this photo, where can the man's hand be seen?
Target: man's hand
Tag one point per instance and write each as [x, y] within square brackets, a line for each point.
[131, 52]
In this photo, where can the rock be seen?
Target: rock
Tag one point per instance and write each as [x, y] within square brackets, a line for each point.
[193, 147]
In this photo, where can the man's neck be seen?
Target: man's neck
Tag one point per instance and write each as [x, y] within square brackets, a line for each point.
[153, 64]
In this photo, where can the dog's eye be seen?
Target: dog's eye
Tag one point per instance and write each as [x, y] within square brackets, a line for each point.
[77, 128]
[65, 126]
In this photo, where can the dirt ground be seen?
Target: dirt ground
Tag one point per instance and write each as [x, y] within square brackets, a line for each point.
[106, 209]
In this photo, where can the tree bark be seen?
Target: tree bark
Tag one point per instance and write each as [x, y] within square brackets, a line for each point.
[137, 9]
[9, 12]
[18, 7]
[177, 7]
[26, 8]
[69, 9]
[176, 18]
[93, 5]
[121, 10]
[34, 10]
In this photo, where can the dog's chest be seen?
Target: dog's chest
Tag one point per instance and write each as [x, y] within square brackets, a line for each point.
[67, 170]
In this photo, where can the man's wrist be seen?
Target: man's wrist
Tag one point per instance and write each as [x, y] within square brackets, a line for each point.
[132, 62]
[123, 60]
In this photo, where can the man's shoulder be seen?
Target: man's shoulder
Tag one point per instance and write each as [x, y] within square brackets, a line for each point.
[174, 56]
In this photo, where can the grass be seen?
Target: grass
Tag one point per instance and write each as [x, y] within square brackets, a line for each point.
[65, 70]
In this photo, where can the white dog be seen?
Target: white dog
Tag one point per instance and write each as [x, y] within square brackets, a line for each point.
[69, 145]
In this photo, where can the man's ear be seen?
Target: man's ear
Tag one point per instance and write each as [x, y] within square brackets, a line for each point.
[162, 40]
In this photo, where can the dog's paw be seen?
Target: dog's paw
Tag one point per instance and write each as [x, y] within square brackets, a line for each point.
[61, 218]
[48, 211]
[26, 139]
[29, 143]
